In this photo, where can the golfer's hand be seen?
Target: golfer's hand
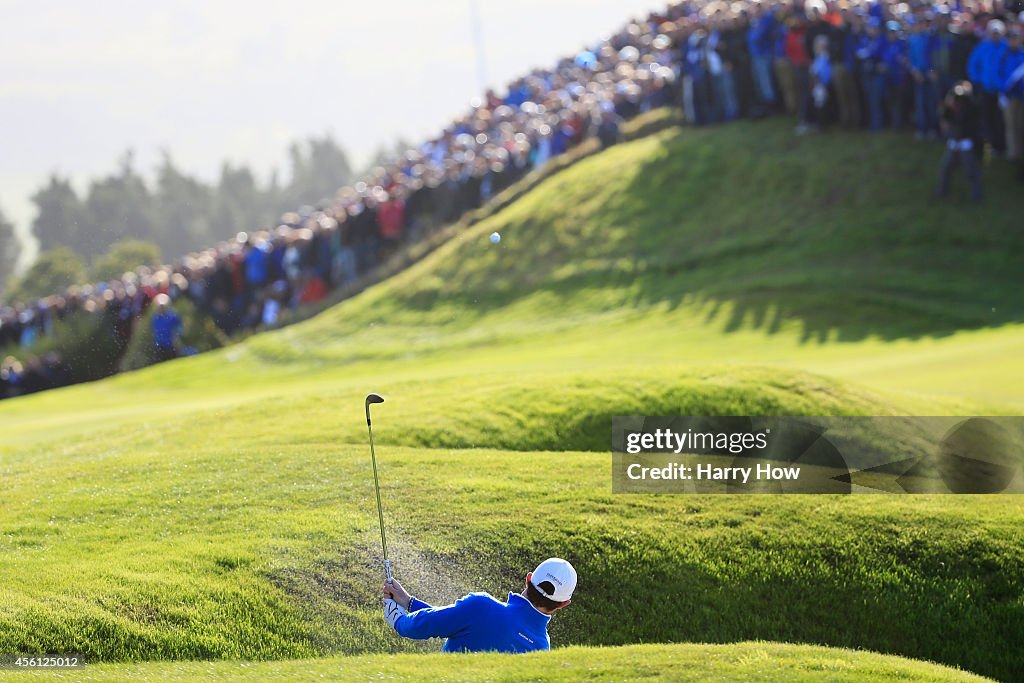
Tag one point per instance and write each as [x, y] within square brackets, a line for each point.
[392, 610]
[394, 591]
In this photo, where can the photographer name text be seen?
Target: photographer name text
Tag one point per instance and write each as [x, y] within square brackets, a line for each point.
[742, 475]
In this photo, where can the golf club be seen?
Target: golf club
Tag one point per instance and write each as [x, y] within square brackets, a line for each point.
[377, 398]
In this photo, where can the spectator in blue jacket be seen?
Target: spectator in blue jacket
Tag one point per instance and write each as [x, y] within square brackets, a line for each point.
[257, 263]
[1011, 74]
[921, 47]
[761, 44]
[983, 70]
[894, 59]
[869, 53]
[821, 81]
[167, 329]
[784, 73]
[696, 85]
[481, 623]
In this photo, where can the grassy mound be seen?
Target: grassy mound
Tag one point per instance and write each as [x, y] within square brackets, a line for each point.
[568, 411]
[736, 663]
[220, 506]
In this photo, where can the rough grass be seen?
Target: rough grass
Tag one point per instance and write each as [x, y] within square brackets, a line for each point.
[129, 548]
[220, 507]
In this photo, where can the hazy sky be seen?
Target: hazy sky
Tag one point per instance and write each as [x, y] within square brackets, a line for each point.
[225, 79]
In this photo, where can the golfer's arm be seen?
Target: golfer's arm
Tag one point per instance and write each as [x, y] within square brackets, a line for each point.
[433, 622]
[415, 604]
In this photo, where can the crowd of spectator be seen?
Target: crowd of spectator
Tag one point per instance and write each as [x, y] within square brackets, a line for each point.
[873, 65]
[869, 65]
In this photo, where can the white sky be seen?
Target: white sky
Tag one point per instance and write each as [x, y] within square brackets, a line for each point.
[80, 82]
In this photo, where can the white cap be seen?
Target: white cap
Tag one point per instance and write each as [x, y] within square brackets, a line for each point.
[555, 579]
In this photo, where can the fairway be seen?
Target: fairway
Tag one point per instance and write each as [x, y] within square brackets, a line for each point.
[220, 507]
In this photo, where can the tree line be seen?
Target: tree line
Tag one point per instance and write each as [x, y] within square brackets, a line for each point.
[122, 216]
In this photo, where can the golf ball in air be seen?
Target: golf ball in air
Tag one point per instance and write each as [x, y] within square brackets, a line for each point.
[495, 238]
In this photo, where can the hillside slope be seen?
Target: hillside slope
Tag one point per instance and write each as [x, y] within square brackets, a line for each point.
[742, 244]
[837, 234]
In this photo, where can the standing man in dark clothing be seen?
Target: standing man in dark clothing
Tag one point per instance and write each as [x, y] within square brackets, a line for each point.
[363, 219]
[960, 125]
[817, 25]
[962, 42]
[419, 206]
[847, 76]
[737, 60]
[218, 292]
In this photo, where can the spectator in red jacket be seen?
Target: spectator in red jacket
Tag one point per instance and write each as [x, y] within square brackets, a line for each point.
[390, 221]
[796, 53]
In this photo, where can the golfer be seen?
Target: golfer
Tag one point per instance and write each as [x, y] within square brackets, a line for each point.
[481, 623]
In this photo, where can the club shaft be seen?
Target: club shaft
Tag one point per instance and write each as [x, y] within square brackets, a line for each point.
[380, 508]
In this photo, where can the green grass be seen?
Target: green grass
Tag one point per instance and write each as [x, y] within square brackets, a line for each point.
[734, 663]
[219, 507]
[265, 551]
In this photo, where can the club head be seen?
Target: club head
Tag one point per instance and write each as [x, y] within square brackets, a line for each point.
[371, 399]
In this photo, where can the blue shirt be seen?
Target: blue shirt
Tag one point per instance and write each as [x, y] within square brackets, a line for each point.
[920, 47]
[760, 36]
[983, 65]
[166, 326]
[821, 69]
[256, 263]
[479, 623]
[1011, 73]
[893, 52]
